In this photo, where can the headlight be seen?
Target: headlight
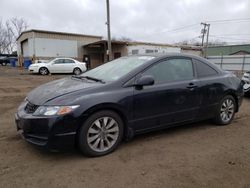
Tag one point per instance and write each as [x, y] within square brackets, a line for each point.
[54, 110]
[33, 65]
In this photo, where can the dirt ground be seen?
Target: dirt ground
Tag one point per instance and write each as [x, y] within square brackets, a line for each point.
[197, 155]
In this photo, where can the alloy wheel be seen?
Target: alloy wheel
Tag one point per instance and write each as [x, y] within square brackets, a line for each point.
[103, 134]
[43, 71]
[227, 110]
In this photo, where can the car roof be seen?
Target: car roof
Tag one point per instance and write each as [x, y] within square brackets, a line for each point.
[159, 56]
[63, 58]
[168, 55]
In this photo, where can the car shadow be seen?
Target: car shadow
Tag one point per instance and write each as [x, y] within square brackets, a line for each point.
[180, 129]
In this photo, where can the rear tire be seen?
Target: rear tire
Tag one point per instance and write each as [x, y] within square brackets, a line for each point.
[4, 63]
[77, 71]
[101, 133]
[226, 111]
[43, 71]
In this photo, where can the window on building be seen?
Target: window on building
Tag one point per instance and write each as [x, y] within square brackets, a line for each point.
[134, 52]
[171, 70]
[149, 51]
[204, 70]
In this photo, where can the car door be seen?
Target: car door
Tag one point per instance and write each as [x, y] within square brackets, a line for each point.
[173, 98]
[57, 66]
[211, 88]
[69, 65]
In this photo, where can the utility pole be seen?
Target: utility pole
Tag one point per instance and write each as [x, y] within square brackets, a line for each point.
[204, 31]
[208, 27]
[109, 52]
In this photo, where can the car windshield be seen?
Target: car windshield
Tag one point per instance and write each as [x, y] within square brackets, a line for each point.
[115, 69]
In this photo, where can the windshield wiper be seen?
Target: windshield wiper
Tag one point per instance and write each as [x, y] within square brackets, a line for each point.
[89, 78]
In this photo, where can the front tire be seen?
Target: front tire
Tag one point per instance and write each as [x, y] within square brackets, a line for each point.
[43, 71]
[226, 111]
[101, 133]
[4, 63]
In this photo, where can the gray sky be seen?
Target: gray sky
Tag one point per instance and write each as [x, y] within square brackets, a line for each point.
[141, 20]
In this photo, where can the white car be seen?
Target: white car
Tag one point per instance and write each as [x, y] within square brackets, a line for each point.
[58, 65]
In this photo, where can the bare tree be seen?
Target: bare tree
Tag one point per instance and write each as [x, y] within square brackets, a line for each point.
[194, 42]
[122, 38]
[9, 33]
[3, 38]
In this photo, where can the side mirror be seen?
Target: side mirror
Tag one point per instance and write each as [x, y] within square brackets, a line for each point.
[145, 81]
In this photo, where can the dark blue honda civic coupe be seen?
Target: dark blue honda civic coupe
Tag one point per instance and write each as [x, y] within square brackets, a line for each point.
[96, 110]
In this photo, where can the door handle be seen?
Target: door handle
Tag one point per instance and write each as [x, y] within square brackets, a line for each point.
[191, 86]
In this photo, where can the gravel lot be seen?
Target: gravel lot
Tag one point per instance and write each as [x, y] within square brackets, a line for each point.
[197, 155]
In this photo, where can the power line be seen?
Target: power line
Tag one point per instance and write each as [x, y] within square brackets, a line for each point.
[232, 35]
[229, 20]
[216, 36]
[215, 22]
[196, 24]
[173, 30]
[181, 28]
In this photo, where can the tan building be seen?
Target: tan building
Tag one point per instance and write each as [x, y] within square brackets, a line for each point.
[43, 45]
[194, 50]
[38, 44]
[96, 52]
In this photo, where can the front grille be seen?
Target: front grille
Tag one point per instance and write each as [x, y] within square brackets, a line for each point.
[30, 108]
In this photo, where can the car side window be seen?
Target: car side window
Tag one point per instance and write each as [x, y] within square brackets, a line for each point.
[204, 70]
[171, 70]
[59, 61]
[68, 61]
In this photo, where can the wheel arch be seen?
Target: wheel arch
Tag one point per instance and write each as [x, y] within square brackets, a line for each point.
[77, 67]
[105, 106]
[230, 92]
[43, 67]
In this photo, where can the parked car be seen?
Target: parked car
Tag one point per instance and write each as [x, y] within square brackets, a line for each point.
[4, 60]
[58, 65]
[96, 110]
[246, 81]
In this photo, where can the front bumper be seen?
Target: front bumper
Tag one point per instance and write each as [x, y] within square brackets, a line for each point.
[33, 69]
[51, 133]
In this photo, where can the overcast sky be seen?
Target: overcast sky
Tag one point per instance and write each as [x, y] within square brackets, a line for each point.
[140, 20]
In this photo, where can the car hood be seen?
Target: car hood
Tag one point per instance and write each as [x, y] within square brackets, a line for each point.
[58, 88]
[38, 64]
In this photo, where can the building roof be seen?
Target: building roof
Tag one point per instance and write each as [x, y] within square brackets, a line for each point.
[227, 49]
[232, 45]
[131, 43]
[187, 47]
[56, 32]
[240, 52]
